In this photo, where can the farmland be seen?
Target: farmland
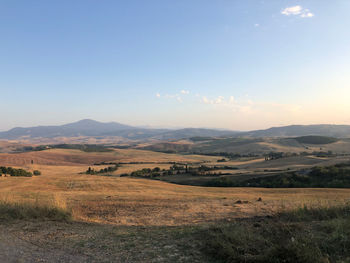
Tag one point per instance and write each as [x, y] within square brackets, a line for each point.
[127, 205]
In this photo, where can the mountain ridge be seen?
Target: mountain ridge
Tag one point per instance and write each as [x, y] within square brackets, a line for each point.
[89, 127]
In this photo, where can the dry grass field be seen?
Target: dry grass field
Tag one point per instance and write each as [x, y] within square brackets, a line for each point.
[76, 157]
[249, 146]
[128, 201]
[122, 219]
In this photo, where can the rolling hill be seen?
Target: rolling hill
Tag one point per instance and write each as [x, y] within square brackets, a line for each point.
[248, 145]
[338, 131]
[91, 128]
[81, 128]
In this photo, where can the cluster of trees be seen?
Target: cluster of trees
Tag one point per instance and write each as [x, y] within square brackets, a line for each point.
[108, 169]
[279, 155]
[177, 169]
[81, 147]
[148, 172]
[268, 156]
[33, 148]
[337, 176]
[323, 154]
[312, 139]
[228, 155]
[192, 170]
[202, 138]
[17, 172]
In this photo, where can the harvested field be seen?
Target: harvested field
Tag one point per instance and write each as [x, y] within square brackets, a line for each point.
[127, 201]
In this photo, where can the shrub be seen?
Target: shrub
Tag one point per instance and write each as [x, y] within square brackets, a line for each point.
[14, 172]
[36, 172]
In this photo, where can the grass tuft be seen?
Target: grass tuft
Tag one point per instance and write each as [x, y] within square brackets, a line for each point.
[13, 211]
[304, 235]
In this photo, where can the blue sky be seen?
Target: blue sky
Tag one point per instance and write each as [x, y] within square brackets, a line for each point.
[226, 64]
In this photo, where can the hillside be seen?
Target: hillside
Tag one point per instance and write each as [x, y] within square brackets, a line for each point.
[81, 128]
[91, 128]
[338, 131]
[193, 132]
[248, 145]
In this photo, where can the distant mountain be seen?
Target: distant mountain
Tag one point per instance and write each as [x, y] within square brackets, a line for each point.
[338, 131]
[81, 128]
[94, 129]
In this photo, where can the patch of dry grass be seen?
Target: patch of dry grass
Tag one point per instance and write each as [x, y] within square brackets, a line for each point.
[13, 209]
[128, 201]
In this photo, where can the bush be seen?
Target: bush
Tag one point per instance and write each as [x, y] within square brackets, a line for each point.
[36, 172]
[15, 172]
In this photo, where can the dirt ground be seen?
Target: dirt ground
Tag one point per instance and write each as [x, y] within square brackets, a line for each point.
[50, 241]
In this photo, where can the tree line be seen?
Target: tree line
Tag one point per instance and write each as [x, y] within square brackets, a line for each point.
[335, 176]
[17, 172]
[108, 169]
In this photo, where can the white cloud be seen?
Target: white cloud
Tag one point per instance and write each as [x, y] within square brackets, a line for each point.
[185, 92]
[256, 25]
[158, 95]
[218, 100]
[205, 100]
[249, 107]
[231, 100]
[170, 96]
[307, 14]
[293, 10]
[297, 11]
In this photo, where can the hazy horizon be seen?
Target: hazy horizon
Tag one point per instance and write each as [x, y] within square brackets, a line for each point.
[238, 65]
[168, 127]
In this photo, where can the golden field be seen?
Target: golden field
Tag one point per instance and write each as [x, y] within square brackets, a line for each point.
[143, 202]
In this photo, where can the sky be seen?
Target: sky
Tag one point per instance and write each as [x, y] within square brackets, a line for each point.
[230, 64]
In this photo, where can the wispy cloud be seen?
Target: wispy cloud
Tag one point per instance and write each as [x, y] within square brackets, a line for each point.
[293, 10]
[185, 92]
[307, 14]
[176, 97]
[218, 100]
[297, 10]
[247, 106]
